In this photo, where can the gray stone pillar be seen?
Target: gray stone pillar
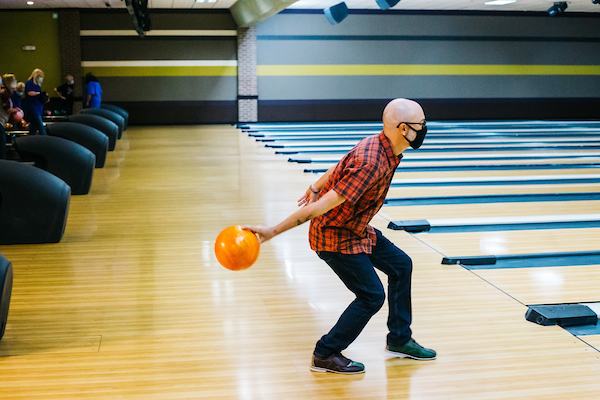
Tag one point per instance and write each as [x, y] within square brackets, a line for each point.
[70, 51]
[247, 81]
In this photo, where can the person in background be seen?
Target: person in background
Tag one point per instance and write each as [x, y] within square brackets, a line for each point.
[34, 107]
[93, 91]
[3, 120]
[6, 93]
[8, 108]
[65, 92]
[17, 94]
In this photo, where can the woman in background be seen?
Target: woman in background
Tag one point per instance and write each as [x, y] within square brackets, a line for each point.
[3, 120]
[8, 110]
[6, 93]
[34, 107]
[93, 91]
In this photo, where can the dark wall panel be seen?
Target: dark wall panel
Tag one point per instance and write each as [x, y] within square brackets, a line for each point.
[433, 50]
[158, 48]
[435, 109]
[172, 20]
[169, 88]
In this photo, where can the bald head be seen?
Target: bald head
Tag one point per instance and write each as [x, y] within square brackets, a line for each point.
[402, 110]
[396, 112]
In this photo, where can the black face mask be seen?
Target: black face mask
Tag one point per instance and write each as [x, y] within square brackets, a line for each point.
[415, 144]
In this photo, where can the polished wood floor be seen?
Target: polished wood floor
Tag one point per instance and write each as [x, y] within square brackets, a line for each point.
[132, 303]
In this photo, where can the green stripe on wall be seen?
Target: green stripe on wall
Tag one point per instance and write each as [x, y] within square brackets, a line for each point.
[305, 70]
[161, 71]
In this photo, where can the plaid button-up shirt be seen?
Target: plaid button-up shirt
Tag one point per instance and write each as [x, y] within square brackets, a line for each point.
[363, 178]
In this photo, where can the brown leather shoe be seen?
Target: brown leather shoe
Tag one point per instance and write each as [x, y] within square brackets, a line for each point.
[336, 363]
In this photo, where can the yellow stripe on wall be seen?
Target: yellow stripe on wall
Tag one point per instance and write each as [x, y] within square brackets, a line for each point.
[341, 70]
[305, 70]
[162, 71]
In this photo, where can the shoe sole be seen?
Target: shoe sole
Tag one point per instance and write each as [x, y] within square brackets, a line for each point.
[319, 369]
[404, 355]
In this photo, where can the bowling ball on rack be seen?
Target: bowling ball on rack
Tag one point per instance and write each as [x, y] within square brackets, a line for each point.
[17, 116]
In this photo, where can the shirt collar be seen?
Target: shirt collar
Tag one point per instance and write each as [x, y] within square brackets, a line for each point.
[389, 151]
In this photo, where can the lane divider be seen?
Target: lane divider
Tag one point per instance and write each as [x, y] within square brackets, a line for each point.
[451, 225]
[491, 198]
[498, 180]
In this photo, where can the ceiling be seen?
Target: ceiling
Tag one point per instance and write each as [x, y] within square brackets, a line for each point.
[520, 5]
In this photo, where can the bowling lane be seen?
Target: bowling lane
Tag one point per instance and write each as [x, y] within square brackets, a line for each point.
[488, 165]
[468, 156]
[496, 174]
[552, 285]
[338, 148]
[482, 210]
[512, 242]
[519, 180]
[499, 143]
[400, 192]
[538, 285]
[476, 163]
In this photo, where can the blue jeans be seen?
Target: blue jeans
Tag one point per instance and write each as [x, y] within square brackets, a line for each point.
[358, 274]
[36, 125]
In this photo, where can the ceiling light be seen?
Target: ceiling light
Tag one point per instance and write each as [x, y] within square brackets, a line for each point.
[499, 2]
[557, 8]
[199, 1]
[212, 1]
[30, 3]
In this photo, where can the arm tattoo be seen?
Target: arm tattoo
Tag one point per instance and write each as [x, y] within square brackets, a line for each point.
[308, 218]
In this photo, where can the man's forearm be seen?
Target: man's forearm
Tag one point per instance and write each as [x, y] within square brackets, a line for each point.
[320, 183]
[298, 218]
[313, 210]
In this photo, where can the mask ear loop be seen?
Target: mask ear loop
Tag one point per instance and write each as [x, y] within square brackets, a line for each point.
[404, 136]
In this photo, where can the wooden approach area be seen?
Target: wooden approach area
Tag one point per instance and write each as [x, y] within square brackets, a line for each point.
[132, 303]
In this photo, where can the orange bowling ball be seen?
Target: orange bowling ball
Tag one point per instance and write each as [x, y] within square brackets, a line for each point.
[236, 248]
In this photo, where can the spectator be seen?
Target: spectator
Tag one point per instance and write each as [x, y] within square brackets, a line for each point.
[65, 92]
[10, 84]
[17, 94]
[93, 91]
[6, 93]
[34, 106]
[3, 120]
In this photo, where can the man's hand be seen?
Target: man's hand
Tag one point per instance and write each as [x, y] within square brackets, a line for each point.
[264, 232]
[309, 197]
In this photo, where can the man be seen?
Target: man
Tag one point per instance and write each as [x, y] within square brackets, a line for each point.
[65, 92]
[341, 204]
